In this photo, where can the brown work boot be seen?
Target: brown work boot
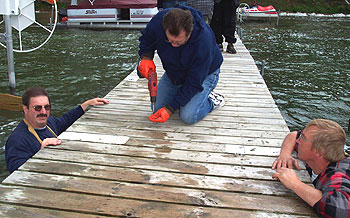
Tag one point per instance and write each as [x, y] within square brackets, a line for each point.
[231, 49]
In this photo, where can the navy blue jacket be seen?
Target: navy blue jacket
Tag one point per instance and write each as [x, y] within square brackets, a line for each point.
[22, 145]
[188, 64]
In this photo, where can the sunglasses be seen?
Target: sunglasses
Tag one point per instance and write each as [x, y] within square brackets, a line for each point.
[39, 107]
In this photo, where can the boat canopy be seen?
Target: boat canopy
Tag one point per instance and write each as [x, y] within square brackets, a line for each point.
[114, 4]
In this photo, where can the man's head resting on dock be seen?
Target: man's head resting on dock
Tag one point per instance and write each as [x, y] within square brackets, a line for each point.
[321, 147]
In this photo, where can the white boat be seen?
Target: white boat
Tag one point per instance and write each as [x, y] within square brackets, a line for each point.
[245, 11]
[111, 14]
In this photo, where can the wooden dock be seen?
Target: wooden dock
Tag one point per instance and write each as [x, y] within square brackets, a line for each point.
[114, 162]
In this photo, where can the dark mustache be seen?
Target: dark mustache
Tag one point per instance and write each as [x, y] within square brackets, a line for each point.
[41, 115]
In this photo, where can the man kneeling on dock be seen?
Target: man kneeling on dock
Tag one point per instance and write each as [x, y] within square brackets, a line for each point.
[39, 129]
[321, 146]
[191, 59]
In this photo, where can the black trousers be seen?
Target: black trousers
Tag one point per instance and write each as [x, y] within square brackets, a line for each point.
[223, 22]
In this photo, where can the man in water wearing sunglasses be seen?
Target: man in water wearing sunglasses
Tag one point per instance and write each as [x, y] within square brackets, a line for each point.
[39, 129]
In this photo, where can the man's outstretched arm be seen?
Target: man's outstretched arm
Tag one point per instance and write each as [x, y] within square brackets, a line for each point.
[93, 102]
[285, 159]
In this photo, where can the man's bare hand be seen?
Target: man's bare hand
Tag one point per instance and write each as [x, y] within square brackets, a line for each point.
[93, 102]
[50, 141]
[287, 161]
[287, 177]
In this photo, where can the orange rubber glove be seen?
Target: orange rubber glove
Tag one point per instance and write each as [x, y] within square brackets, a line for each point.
[161, 116]
[145, 66]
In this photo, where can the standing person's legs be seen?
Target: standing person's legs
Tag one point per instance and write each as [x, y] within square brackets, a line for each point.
[229, 28]
[216, 23]
[229, 24]
[200, 104]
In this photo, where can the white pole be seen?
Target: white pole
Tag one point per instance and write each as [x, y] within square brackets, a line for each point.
[51, 17]
[10, 59]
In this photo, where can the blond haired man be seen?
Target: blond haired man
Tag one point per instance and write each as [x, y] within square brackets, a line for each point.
[321, 146]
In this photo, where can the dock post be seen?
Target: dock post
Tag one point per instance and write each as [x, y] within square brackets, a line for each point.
[278, 17]
[239, 32]
[51, 16]
[10, 59]
[262, 66]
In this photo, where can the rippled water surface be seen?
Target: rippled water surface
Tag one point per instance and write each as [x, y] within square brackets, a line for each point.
[308, 66]
[307, 71]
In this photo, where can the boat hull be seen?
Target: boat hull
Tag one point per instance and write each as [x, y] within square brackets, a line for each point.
[256, 12]
[111, 14]
[262, 14]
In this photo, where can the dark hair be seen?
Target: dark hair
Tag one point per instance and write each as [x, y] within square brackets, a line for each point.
[33, 92]
[178, 19]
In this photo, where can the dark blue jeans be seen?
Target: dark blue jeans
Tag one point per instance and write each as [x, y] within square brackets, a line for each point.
[200, 104]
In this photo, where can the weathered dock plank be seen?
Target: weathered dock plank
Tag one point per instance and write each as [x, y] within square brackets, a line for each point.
[167, 194]
[114, 162]
[230, 170]
[120, 207]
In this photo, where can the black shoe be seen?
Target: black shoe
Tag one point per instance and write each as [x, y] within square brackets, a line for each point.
[231, 49]
[221, 47]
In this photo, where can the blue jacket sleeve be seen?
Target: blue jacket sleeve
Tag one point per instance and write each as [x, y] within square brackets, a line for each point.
[17, 156]
[60, 124]
[20, 146]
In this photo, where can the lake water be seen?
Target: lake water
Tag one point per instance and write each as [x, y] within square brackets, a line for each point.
[307, 68]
